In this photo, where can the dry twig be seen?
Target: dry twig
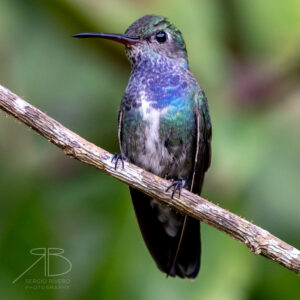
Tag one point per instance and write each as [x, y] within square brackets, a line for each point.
[258, 240]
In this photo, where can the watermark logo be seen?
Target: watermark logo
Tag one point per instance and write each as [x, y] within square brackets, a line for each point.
[48, 281]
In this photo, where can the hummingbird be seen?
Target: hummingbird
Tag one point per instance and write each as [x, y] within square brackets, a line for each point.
[164, 128]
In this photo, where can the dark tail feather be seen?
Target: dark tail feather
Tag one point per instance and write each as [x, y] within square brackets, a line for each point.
[162, 246]
[189, 255]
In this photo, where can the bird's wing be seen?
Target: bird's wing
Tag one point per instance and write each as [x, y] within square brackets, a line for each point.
[190, 231]
[203, 142]
[120, 119]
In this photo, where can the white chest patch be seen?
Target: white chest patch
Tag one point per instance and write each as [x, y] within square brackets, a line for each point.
[155, 150]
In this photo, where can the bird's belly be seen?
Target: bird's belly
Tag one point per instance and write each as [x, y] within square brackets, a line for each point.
[145, 146]
[153, 140]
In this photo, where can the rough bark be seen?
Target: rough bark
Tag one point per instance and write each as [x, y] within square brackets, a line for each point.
[258, 240]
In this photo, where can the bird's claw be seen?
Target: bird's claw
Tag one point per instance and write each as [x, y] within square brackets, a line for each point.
[177, 185]
[117, 157]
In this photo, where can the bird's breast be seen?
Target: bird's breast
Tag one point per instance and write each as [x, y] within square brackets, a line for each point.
[158, 137]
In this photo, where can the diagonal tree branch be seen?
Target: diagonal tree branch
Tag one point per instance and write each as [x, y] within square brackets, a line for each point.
[258, 240]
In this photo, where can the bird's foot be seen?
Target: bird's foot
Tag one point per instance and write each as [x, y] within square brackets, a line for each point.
[117, 157]
[177, 185]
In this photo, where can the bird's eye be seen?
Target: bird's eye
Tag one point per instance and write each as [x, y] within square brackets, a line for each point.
[161, 37]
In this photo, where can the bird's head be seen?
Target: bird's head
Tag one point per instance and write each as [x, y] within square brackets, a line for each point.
[150, 37]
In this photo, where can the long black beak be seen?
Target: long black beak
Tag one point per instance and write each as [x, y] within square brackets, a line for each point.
[120, 38]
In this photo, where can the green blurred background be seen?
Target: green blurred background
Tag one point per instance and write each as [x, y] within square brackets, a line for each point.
[245, 55]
